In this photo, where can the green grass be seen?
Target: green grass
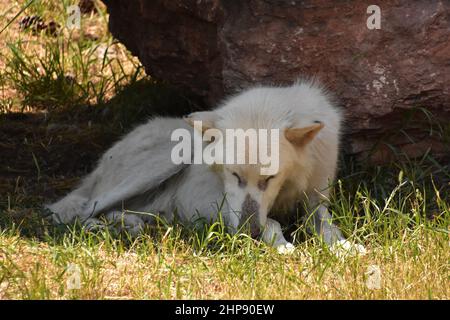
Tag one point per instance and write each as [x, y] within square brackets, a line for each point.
[403, 223]
[45, 82]
[93, 90]
[74, 67]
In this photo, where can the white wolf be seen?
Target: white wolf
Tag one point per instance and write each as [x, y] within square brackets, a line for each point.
[137, 173]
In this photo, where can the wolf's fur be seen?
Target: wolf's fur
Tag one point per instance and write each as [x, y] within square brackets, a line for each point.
[137, 172]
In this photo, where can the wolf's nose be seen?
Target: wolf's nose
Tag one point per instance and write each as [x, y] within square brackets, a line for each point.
[250, 212]
[255, 232]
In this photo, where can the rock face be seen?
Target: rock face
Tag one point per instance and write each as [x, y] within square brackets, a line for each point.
[392, 82]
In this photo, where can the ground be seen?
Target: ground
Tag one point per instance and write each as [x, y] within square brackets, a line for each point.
[66, 99]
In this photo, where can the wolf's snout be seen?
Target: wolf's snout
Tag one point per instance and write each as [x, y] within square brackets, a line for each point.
[256, 232]
[250, 214]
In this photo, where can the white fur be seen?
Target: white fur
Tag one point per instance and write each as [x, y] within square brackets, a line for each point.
[137, 172]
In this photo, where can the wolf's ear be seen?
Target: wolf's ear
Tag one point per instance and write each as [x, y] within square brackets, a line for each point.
[207, 118]
[302, 136]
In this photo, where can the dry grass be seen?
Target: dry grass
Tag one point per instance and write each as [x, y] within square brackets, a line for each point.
[400, 212]
[415, 267]
[74, 67]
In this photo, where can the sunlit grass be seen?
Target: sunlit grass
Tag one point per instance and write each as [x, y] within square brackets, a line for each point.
[400, 212]
[405, 231]
[75, 67]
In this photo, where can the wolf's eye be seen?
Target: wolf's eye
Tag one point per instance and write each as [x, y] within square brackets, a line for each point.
[262, 184]
[241, 182]
[237, 176]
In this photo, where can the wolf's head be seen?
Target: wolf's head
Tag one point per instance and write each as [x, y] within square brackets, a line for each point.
[251, 190]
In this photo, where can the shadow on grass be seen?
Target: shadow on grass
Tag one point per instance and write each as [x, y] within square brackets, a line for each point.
[45, 154]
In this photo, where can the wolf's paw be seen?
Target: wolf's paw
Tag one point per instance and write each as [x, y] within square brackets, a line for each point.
[56, 216]
[345, 248]
[68, 209]
[287, 248]
[128, 222]
[94, 224]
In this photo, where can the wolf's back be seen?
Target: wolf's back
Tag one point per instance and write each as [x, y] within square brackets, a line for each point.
[139, 162]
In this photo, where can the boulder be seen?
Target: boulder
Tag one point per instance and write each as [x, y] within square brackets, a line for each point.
[392, 82]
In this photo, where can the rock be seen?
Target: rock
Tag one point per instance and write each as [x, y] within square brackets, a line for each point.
[388, 80]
